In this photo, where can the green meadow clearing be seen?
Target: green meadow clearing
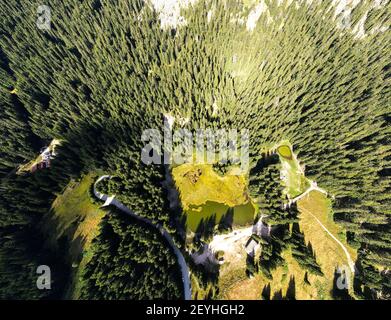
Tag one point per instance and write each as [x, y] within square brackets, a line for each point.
[204, 193]
[293, 177]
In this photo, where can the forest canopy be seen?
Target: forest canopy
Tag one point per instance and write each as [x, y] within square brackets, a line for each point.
[106, 70]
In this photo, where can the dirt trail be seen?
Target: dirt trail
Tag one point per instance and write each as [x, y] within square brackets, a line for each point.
[349, 259]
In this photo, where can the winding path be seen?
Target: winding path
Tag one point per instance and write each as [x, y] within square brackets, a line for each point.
[350, 260]
[110, 200]
[313, 187]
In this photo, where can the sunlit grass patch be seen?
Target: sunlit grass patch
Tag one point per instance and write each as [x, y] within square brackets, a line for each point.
[329, 253]
[320, 206]
[292, 174]
[74, 221]
[285, 151]
[290, 275]
[204, 193]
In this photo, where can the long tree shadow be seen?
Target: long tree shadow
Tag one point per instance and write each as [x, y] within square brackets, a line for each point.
[226, 221]
[277, 295]
[291, 291]
[205, 229]
[251, 266]
[266, 292]
[303, 253]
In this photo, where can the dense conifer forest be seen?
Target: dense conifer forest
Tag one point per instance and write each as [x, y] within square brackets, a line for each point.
[106, 70]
